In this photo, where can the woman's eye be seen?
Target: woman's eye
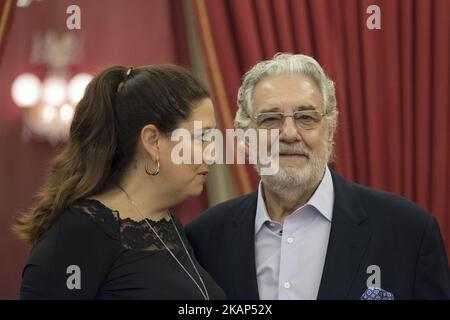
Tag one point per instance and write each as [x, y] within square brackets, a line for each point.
[208, 134]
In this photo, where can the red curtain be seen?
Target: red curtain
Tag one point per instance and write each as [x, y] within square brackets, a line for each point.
[392, 84]
[6, 12]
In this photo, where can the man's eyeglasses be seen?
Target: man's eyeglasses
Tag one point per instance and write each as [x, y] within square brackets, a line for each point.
[304, 119]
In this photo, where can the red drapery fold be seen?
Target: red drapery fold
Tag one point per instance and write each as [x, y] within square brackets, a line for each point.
[392, 84]
[6, 11]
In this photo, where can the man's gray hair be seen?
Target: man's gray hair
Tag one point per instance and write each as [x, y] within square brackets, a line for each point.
[284, 63]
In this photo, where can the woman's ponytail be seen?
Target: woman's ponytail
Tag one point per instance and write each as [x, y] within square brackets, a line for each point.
[84, 165]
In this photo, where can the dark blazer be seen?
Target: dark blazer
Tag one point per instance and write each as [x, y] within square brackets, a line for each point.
[369, 227]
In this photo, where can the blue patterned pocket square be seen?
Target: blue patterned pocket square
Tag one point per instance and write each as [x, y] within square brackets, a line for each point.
[373, 293]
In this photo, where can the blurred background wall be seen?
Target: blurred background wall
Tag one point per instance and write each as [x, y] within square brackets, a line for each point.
[392, 86]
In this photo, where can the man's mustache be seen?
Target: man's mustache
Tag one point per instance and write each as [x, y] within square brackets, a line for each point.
[293, 149]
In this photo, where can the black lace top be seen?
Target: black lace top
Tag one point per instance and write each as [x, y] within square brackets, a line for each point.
[92, 253]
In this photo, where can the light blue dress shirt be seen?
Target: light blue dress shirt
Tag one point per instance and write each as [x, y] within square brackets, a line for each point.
[290, 256]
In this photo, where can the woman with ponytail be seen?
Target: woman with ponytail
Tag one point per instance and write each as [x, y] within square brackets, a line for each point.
[102, 227]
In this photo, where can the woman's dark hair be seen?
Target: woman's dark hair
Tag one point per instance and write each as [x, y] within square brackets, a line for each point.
[105, 132]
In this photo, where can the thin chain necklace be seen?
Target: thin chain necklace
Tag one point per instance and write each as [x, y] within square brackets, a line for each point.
[203, 291]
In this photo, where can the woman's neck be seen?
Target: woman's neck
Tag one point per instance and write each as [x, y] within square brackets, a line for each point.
[137, 196]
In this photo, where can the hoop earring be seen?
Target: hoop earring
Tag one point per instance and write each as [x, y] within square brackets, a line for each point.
[154, 173]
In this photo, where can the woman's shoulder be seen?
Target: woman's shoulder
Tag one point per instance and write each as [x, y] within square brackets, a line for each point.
[84, 238]
[89, 216]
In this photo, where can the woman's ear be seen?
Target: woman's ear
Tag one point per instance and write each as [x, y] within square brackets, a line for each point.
[149, 138]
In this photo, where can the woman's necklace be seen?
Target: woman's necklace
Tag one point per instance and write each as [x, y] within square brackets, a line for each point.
[204, 291]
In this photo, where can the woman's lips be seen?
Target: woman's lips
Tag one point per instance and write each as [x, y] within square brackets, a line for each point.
[203, 174]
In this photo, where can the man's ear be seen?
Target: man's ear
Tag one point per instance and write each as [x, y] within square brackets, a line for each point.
[331, 132]
[149, 138]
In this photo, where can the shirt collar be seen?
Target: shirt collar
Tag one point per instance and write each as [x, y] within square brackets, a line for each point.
[322, 199]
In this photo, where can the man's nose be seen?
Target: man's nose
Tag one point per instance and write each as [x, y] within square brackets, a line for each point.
[289, 132]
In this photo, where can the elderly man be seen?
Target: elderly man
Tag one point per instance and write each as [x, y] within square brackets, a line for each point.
[307, 233]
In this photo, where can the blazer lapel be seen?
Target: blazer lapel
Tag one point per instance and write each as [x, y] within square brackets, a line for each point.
[242, 251]
[349, 237]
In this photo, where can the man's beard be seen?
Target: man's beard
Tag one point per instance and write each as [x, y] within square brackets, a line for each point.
[299, 180]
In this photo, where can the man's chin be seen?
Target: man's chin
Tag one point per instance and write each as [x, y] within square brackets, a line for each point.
[296, 161]
[293, 170]
[292, 174]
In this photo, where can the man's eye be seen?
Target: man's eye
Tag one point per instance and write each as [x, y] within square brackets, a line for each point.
[270, 119]
[305, 118]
